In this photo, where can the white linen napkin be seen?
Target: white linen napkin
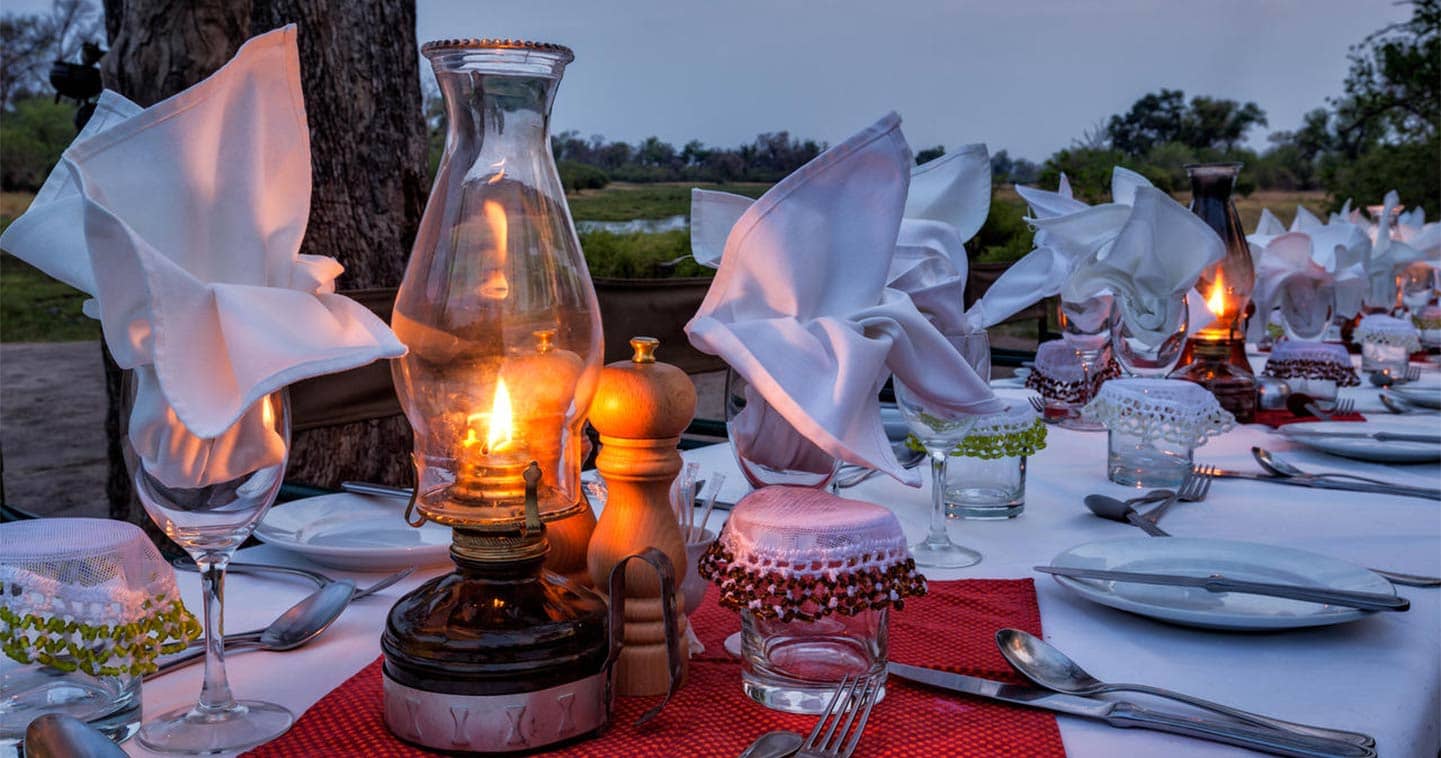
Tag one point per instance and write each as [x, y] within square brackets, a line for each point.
[1331, 273]
[1127, 248]
[1157, 253]
[800, 308]
[183, 221]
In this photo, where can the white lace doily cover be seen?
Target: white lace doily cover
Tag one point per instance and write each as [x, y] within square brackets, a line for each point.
[1057, 360]
[1381, 329]
[798, 531]
[1306, 350]
[93, 571]
[1180, 412]
[1018, 417]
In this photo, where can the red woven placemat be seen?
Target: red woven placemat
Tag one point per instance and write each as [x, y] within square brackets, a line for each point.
[1280, 417]
[953, 627]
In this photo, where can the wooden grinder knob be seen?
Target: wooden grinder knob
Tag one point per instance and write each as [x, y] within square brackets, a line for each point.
[641, 408]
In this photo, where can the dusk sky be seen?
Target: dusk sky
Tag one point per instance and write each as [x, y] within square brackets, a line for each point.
[1024, 75]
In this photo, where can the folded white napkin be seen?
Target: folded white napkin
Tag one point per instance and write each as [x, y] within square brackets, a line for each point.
[1394, 246]
[1128, 248]
[946, 204]
[800, 308]
[183, 221]
[1330, 273]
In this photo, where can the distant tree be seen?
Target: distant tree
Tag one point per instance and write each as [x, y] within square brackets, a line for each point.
[1388, 123]
[34, 131]
[930, 154]
[30, 42]
[1165, 116]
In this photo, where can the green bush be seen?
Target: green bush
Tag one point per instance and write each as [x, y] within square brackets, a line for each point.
[1005, 236]
[1412, 169]
[578, 176]
[641, 255]
[33, 134]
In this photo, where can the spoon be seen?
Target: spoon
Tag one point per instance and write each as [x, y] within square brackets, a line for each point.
[1277, 466]
[773, 745]
[302, 623]
[1397, 405]
[1052, 669]
[1120, 510]
[56, 735]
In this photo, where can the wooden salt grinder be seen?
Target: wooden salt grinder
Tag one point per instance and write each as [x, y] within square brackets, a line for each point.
[640, 409]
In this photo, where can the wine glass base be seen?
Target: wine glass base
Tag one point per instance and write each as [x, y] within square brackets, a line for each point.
[197, 731]
[946, 554]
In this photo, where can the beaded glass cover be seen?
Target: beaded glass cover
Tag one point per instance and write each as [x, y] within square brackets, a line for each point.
[88, 594]
[1381, 329]
[1058, 375]
[1301, 359]
[794, 553]
[1167, 409]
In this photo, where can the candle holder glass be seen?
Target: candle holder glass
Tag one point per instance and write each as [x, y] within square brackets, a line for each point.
[503, 330]
[1154, 427]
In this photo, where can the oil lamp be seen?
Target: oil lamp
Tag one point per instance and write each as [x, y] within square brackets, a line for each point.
[500, 316]
[1215, 357]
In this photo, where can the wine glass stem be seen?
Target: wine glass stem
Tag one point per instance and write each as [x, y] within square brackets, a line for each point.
[215, 694]
[938, 498]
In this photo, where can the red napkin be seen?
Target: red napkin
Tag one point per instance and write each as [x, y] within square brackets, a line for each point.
[1279, 417]
[952, 628]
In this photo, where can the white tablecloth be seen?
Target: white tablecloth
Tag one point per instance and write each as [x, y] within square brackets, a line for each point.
[1380, 675]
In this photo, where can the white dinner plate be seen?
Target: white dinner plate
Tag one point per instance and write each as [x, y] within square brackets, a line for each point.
[1426, 391]
[354, 532]
[1194, 606]
[1365, 449]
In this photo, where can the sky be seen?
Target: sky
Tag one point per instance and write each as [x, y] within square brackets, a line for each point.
[1027, 76]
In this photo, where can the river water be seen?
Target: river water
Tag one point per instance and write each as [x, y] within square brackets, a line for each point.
[639, 225]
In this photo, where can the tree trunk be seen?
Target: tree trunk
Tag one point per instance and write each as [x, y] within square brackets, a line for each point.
[358, 63]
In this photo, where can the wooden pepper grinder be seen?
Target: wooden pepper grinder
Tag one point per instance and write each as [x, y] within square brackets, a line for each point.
[640, 409]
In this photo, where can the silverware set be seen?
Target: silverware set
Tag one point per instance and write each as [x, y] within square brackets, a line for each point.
[292, 629]
[1342, 407]
[837, 731]
[1124, 714]
[1279, 471]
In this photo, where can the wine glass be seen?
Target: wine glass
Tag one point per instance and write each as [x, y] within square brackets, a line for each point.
[768, 450]
[210, 519]
[1149, 352]
[939, 432]
[1306, 311]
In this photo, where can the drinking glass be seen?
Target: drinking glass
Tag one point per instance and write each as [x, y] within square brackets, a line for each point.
[210, 522]
[1138, 351]
[1086, 328]
[939, 432]
[751, 422]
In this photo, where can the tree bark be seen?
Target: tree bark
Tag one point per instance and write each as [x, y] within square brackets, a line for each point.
[368, 157]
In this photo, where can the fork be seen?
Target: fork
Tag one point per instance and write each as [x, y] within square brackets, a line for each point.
[1193, 489]
[1413, 373]
[854, 695]
[315, 576]
[1342, 407]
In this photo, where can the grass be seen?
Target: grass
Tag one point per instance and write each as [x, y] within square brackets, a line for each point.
[621, 201]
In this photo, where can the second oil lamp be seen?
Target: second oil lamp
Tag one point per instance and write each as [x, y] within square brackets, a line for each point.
[1215, 357]
[500, 316]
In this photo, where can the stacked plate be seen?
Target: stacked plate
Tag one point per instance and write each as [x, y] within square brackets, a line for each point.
[355, 532]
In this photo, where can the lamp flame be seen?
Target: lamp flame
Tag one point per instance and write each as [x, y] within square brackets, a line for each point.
[499, 432]
[1216, 301]
[499, 167]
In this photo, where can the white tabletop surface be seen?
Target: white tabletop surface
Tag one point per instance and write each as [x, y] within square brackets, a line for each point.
[1380, 675]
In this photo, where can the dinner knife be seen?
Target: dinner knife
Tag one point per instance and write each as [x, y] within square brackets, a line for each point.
[1366, 601]
[1125, 715]
[1328, 484]
[1433, 439]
